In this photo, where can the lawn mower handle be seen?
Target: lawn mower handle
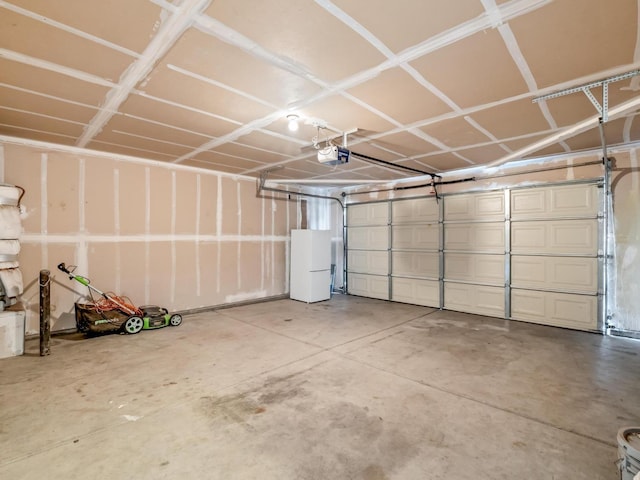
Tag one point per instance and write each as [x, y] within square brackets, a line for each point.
[64, 268]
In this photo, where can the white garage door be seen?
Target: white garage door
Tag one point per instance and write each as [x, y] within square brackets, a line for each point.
[529, 254]
[554, 255]
[415, 251]
[368, 250]
[474, 253]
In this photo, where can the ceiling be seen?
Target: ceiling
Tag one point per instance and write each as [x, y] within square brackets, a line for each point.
[423, 84]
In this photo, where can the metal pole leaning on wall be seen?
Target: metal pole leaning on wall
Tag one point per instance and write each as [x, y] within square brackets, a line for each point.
[45, 312]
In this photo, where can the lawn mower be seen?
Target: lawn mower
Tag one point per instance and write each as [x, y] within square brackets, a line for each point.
[114, 313]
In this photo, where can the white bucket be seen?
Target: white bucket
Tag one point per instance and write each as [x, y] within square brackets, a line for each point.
[629, 452]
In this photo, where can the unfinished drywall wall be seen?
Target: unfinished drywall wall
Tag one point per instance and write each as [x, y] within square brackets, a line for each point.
[624, 267]
[158, 233]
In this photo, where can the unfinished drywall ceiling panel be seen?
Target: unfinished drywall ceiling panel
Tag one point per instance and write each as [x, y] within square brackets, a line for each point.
[130, 182]
[343, 113]
[388, 92]
[250, 153]
[27, 122]
[473, 71]
[198, 94]
[512, 119]
[270, 143]
[35, 39]
[484, 154]
[404, 143]
[226, 162]
[231, 66]
[206, 125]
[444, 161]
[524, 141]
[578, 38]
[218, 167]
[37, 104]
[130, 25]
[65, 87]
[455, 132]
[418, 18]
[129, 151]
[31, 134]
[159, 149]
[153, 130]
[299, 32]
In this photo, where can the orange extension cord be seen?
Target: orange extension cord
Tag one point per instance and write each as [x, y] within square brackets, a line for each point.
[106, 305]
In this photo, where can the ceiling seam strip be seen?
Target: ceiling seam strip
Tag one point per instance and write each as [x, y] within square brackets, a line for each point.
[44, 115]
[184, 107]
[54, 67]
[67, 28]
[513, 47]
[121, 132]
[172, 127]
[129, 147]
[215, 83]
[569, 132]
[354, 25]
[487, 133]
[230, 36]
[380, 46]
[57, 147]
[515, 98]
[17, 127]
[167, 35]
[45, 95]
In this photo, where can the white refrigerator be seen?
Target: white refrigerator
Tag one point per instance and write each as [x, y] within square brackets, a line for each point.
[310, 279]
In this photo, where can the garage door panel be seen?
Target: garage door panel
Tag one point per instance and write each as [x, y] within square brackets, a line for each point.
[474, 206]
[371, 286]
[475, 268]
[555, 202]
[368, 214]
[572, 274]
[558, 237]
[557, 309]
[422, 237]
[475, 237]
[368, 261]
[416, 291]
[479, 299]
[416, 264]
[368, 238]
[415, 211]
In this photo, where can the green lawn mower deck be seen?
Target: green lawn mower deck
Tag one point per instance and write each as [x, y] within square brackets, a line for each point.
[152, 317]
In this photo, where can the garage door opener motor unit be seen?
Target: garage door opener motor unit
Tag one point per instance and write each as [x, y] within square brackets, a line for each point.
[114, 313]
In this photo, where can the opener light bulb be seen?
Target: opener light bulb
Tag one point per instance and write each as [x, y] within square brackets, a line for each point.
[293, 123]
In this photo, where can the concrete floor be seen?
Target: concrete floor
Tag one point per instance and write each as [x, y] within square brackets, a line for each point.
[351, 388]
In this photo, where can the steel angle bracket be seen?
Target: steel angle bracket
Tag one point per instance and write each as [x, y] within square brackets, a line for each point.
[603, 109]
